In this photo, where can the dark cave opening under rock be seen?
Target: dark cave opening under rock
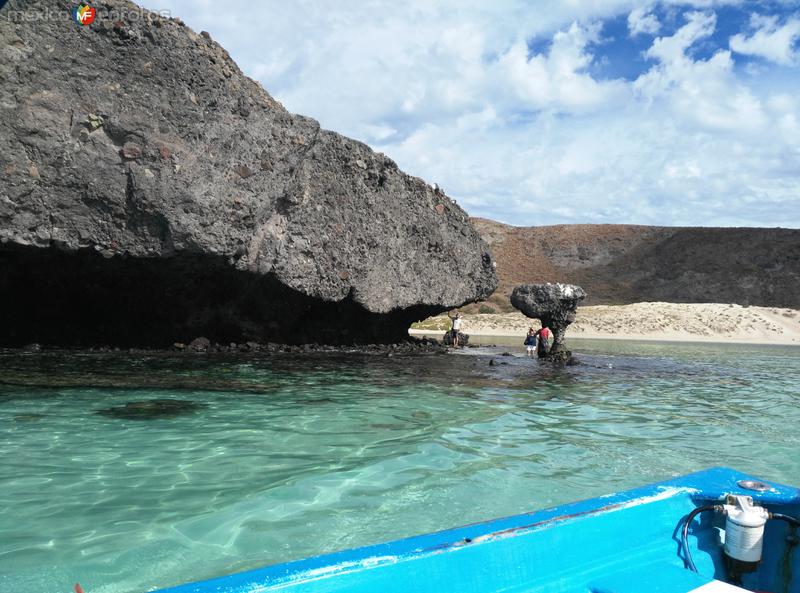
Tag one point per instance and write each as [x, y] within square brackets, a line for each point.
[82, 299]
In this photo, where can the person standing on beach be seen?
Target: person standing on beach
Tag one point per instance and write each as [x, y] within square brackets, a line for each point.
[545, 340]
[456, 320]
[530, 342]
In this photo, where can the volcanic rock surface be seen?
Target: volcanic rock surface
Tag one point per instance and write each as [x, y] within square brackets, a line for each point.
[554, 304]
[150, 192]
[619, 264]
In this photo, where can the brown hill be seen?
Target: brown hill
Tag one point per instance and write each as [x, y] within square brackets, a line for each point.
[620, 264]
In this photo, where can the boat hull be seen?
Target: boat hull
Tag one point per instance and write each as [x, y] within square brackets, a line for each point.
[622, 543]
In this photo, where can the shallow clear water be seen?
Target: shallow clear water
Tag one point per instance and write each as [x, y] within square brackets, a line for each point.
[289, 456]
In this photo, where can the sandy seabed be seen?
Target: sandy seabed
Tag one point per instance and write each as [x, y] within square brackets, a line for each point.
[691, 322]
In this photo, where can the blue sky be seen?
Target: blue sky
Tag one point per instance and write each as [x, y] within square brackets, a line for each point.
[547, 112]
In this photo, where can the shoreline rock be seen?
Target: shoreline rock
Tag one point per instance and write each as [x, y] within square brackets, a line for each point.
[463, 339]
[411, 346]
[190, 202]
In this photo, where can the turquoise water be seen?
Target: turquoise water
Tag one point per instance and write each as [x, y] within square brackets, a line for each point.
[288, 456]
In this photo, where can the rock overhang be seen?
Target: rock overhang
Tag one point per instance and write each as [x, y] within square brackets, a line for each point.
[186, 160]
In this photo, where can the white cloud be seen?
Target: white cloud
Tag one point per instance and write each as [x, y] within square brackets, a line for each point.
[557, 79]
[453, 92]
[770, 41]
[642, 22]
[672, 50]
[705, 92]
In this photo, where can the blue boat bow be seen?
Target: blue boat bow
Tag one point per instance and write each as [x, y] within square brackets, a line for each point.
[628, 542]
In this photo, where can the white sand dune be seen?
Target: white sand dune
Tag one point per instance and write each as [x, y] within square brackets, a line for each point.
[706, 322]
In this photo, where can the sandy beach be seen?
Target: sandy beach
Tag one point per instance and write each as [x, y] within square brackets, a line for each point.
[688, 322]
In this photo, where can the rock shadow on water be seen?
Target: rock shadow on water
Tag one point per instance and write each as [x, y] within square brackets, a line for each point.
[34, 417]
[152, 409]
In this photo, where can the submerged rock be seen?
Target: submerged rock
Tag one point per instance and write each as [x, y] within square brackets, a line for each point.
[186, 201]
[29, 417]
[555, 305]
[152, 409]
[200, 344]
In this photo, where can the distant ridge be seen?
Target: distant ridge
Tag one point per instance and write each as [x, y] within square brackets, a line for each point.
[620, 264]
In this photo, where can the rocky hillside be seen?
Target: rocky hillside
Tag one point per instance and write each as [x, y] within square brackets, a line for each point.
[619, 264]
[151, 193]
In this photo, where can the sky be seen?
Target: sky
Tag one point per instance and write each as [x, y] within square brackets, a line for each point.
[542, 111]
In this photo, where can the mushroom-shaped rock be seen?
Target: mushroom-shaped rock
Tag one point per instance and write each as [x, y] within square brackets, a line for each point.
[554, 304]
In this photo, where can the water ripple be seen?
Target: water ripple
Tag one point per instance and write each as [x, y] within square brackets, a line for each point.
[289, 456]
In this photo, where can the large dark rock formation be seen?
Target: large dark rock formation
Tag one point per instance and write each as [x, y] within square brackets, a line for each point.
[150, 192]
[554, 304]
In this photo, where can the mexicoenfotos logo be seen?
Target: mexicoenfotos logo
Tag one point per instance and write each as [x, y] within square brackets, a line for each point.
[84, 14]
